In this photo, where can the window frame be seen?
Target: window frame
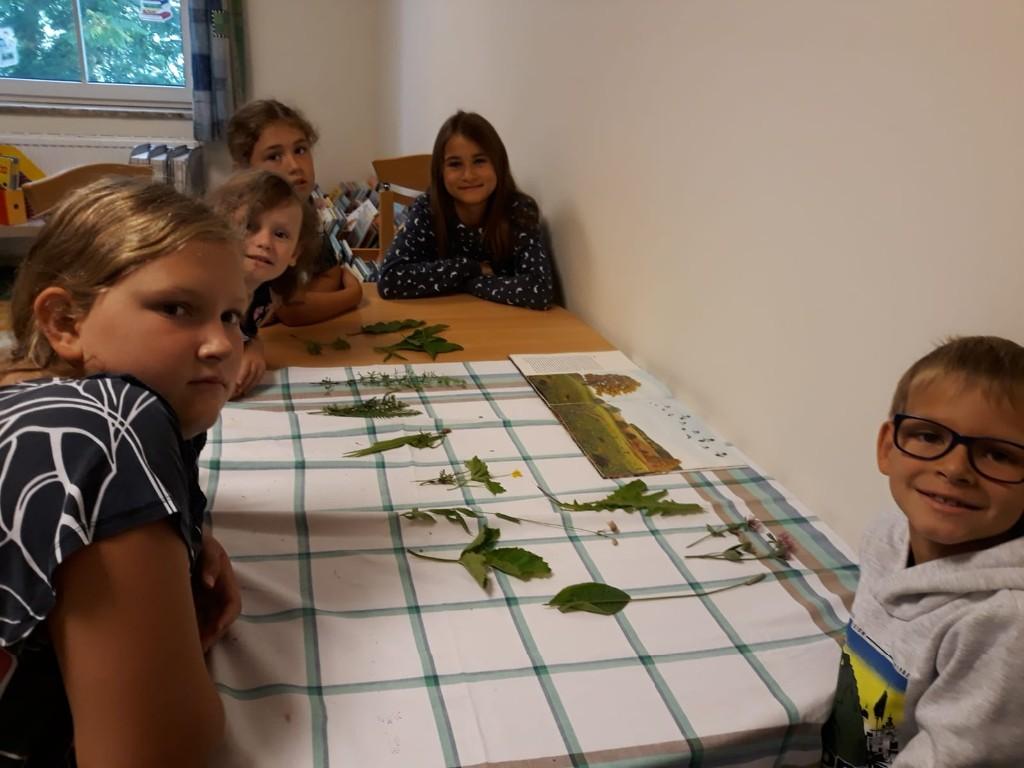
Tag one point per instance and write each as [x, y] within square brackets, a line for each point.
[63, 93]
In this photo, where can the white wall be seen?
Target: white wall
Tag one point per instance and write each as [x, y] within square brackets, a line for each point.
[774, 207]
[321, 56]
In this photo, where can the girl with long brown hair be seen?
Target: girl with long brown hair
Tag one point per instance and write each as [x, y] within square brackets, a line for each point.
[473, 230]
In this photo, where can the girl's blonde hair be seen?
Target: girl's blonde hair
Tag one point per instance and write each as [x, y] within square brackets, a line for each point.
[254, 192]
[95, 237]
[248, 123]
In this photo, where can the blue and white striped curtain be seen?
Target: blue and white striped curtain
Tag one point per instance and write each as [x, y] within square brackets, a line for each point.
[218, 64]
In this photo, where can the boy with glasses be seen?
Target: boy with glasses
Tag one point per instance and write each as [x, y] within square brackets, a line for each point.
[933, 665]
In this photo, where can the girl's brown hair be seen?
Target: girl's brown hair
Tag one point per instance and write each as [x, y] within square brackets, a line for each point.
[98, 235]
[249, 122]
[498, 217]
[252, 193]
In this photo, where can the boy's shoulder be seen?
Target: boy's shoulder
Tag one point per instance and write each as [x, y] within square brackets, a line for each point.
[986, 579]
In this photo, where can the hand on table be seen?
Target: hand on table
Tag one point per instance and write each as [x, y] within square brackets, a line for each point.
[252, 370]
[217, 596]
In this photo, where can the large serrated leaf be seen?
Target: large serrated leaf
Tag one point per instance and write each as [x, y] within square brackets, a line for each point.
[631, 498]
[590, 597]
[476, 564]
[390, 327]
[518, 562]
[453, 516]
[486, 539]
[417, 514]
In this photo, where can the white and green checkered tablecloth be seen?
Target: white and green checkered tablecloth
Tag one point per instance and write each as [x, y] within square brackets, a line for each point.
[350, 652]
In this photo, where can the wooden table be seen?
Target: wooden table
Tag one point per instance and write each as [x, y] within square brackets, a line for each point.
[488, 331]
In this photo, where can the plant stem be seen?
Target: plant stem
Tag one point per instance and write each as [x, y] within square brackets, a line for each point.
[751, 580]
[721, 556]
[607, 534]
[430, 557]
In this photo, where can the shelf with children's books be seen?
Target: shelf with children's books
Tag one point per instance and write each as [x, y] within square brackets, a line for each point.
[350, 228]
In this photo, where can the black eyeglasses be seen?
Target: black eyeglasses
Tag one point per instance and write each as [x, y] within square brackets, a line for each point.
[998, 460]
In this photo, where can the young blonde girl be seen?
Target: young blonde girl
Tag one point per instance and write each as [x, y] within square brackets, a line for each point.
[126, 313]
[272, 136]
[473, 230]
[281, 238]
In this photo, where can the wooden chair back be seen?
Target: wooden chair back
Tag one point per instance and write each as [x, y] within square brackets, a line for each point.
[412, 173]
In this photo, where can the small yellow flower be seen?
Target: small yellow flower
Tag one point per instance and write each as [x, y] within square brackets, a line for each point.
[516, 473]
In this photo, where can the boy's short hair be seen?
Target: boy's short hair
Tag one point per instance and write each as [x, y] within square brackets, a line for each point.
[994, 362]
[248, 123]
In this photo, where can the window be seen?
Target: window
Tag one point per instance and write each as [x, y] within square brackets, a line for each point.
[95, 52]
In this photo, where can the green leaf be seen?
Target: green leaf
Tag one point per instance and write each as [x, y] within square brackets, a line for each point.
[314, 347]
[452, 516]
[732, 554]
[426, 333]
[421, 340]
[479, 473]
[591, 597]
[420, 440]
[486, 539]
[390, 353]
[518, 562]
[478, 469]
[494, 486]
[417, 514]
[437, 346]
[340, 343]
[502, 516]
[390, 327]
[416, 381]
[386, 407]
[631, 498]
[476, 564]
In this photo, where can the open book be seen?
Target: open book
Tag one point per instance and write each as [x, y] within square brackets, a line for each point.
[622, 418]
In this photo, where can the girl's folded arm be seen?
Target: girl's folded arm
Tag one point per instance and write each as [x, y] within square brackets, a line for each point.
[413, 269]
[125, 633]
[533, 284]
[316, 304]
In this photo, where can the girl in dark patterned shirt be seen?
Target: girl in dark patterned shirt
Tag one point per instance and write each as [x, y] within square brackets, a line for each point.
[473, 230]
[126, 314]
[282, 237]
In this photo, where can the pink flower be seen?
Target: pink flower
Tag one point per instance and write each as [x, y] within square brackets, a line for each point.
[755, 525]
[785, 545]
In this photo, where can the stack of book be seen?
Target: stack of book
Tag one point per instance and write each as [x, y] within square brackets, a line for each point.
[178, 165]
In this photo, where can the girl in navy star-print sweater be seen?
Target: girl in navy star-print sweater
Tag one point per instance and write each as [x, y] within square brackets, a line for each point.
[473, 230]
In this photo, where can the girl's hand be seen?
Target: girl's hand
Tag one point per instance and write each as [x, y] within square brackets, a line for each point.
[486, 269]
[217, 596]
[252, 370]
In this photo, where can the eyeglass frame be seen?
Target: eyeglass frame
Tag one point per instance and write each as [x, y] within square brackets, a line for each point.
[966, 440]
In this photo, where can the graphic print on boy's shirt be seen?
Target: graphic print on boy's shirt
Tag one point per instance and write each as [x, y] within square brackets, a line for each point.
[868, 709]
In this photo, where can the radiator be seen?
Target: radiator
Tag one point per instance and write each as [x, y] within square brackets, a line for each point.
[57, 152]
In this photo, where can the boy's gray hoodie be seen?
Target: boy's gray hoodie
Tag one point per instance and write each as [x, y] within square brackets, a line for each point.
[933, 670]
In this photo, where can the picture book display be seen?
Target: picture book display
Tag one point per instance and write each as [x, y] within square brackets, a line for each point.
[623, 419]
